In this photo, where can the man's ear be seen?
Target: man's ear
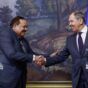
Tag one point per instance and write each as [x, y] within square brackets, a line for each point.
[14, 26]
[81, 21]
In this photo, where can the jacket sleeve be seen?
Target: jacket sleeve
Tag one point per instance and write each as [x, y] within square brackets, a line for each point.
[62, 56]
[8, 48]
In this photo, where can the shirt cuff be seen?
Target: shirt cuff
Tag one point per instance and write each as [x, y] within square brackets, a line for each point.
[33, 57]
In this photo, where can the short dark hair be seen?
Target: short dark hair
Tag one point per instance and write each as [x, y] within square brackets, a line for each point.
[16, 20]
[79, 15]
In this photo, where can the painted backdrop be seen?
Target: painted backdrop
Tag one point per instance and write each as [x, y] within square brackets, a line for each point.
[48, 24]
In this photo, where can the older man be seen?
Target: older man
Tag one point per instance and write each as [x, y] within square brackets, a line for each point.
[77, 47]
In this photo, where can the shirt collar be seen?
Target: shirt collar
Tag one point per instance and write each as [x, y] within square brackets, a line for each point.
[84, 29]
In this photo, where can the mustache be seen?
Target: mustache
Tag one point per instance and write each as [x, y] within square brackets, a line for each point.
[24, 30]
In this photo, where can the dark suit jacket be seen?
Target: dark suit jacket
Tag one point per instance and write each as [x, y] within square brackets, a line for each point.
[13, 59]
[78, 61]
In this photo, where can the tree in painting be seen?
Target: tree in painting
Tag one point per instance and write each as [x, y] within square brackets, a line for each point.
[5, 16]
[26, 8]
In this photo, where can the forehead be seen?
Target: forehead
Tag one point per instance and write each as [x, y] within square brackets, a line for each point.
[72, 17]
[23, 21]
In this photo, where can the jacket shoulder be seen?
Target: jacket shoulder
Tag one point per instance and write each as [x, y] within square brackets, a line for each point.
[71, 36]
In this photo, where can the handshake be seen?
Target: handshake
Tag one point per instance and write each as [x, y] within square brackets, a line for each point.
[40, 60]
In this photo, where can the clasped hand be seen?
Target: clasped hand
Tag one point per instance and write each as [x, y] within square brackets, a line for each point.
[39, 60]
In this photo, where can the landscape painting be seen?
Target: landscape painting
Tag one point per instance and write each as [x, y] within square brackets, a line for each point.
[47, 31]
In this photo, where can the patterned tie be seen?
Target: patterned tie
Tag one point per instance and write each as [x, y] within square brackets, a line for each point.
[23, 45]
[80, 43]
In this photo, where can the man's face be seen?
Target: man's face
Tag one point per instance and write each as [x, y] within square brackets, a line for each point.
[74, 23]
[21, 28]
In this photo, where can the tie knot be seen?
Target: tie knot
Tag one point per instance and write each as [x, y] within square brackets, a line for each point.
[80, 33]
[21, 38]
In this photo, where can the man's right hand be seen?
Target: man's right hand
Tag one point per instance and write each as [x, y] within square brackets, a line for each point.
[40, 60]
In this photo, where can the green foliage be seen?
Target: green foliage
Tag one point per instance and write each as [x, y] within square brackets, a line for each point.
[26, 8]
[5, 15]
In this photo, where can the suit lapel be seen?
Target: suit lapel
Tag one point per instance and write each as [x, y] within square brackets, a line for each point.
[86, 42]
[27, 47]
[85, 45]
[75, 44]
[16, 41]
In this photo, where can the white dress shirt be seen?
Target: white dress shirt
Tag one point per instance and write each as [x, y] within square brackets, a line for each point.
[83, 35]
